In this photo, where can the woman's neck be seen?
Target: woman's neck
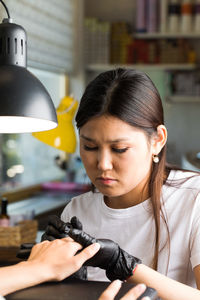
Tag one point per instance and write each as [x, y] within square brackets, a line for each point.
[132, 198]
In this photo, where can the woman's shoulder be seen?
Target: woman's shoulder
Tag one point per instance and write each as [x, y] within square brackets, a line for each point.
[184, 178]
[181, 190]
[84, 200]
[81, 205]
[86, 197]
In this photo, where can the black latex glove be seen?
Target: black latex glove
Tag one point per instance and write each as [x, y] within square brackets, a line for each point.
[57, 229]
[117, 262]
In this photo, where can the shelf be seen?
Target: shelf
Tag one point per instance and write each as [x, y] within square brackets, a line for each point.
[167, 35]
[184, 99]
[146, 67]
[39, 204]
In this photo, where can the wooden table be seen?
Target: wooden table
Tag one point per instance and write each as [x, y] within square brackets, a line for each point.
[66, 290]
[8, 256]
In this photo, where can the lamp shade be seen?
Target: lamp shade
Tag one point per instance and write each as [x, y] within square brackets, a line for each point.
[25, 104]
[63, 137]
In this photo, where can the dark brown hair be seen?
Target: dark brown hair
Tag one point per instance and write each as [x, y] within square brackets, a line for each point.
[131, 96]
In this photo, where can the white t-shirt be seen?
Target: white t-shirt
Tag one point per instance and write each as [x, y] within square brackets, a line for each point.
[134, 230]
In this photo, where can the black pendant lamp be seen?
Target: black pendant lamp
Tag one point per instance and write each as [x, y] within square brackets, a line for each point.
[25, 104]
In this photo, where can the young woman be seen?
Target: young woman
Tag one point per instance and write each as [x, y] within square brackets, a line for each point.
[149, 208]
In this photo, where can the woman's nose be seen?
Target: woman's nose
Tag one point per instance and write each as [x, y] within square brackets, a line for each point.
[104, 161]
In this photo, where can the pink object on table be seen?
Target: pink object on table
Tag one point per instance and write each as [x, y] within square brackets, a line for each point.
[65, 186]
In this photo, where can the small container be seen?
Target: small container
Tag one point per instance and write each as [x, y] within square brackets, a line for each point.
[24, 232]
[4, 217]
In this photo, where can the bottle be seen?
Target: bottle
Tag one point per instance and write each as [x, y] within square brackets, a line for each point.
[152, 15]
[141, 16]
[197, 16]
[186, 16]
[173, 16]
[4, 217]
[163, 15]
[192, 56]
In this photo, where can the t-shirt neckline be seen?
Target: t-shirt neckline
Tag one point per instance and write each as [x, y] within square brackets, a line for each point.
[141, 208]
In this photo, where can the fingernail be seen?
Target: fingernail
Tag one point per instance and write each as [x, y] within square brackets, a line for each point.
[117, 281]
[96, 246]
[141, 287]
[146, 298]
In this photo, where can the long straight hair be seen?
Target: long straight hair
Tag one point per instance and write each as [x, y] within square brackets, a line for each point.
[131, 96]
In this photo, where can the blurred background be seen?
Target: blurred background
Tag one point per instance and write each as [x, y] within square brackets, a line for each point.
[70, 42]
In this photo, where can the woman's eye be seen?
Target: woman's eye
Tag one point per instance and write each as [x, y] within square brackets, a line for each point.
[89, 148]
[119, 150]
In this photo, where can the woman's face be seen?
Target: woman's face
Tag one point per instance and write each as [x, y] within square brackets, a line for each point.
[117, 156]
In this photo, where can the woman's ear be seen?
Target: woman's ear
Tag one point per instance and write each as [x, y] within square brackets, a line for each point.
[159, 140]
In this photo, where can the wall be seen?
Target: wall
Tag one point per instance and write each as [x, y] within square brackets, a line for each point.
[183, 124]
[112, 10]
[182, 119]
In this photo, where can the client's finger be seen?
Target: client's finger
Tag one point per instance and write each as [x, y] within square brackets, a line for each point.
[111, 291]
[135, 292]
[87, 253]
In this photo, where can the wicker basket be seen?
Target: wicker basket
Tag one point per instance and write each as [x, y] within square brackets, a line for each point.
[14, 236]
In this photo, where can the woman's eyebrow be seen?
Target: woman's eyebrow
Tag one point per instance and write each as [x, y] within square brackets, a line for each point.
[87, 138]
[109, 141]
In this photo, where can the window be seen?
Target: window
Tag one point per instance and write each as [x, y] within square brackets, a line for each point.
[53, 34]
[24, 159]
[51, 28]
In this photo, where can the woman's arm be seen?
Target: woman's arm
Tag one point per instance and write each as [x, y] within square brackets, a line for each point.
[197, 275]
[119, 265]
[54, 260]
[168, 289]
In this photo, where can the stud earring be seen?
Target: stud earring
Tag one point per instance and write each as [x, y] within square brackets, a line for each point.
[156, 159]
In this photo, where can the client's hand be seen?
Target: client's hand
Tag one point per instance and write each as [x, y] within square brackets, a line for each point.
[59, 259]
[139, 292]
[117, 262]
[48, 261]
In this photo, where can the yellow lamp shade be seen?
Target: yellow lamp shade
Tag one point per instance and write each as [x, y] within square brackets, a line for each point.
[63, 137]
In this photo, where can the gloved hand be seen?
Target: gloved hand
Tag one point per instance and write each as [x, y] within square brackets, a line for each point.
[117, 262]
[57, 229]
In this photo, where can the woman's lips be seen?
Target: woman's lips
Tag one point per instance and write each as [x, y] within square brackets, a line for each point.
[106, 180]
